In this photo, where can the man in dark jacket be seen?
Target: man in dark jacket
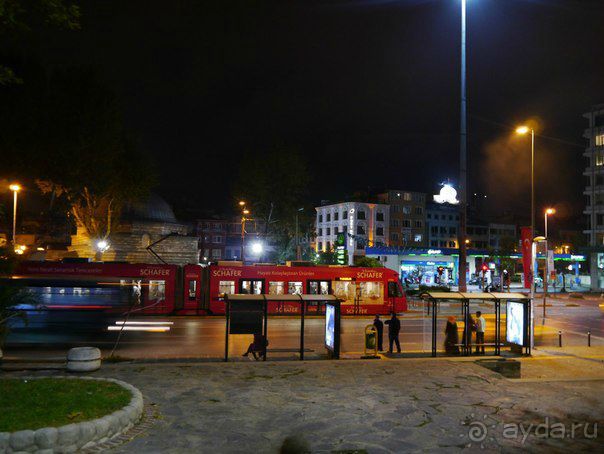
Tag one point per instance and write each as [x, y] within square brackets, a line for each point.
[394, 327]
[379, 327]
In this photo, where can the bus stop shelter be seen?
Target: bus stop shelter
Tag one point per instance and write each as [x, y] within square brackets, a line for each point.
[522, 326]
[248, 314]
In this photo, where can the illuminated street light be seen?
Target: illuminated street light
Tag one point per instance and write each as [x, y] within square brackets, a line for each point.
[102, 245]
[241, 203]
[20, 250]
[246, 211]
[522, 130]
[15, 188]
[257, 247]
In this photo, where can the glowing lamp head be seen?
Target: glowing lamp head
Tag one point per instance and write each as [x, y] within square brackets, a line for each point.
[246, 211]
[15, 187]
[522, 130]
[241, 203]
[257, 247]
[102, 245]
[550, 211]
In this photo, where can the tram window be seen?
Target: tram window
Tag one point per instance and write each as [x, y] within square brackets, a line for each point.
[394, 290]
[192, 289]
[372, 292]
[294, 288]
[226, 287]
[157, 290]
[345, 290]
[275, 288]
[252, 287]
[318, 287]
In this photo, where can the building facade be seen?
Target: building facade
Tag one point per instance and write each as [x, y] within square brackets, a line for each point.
[594, 192]
[212, 235]
[407, 217]
[365, 225]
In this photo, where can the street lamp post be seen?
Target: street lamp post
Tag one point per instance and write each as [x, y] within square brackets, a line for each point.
[244, 213]
[548, 211]
[15, 188]
[463, 142]
[524, 130]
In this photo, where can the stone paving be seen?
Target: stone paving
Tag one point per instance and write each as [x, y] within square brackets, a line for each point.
[379, 406]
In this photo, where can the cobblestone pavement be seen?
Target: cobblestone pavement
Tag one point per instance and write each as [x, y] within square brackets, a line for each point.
[379, 406]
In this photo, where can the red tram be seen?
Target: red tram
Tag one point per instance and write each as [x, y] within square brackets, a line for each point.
[197, 290]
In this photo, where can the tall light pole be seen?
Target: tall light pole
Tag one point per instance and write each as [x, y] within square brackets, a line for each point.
[244, 213]
[15, 188]
[548, 211]
[298, 250]
[463, 143]
[524, 130]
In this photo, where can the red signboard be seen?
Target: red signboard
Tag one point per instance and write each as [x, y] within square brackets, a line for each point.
[526, 235]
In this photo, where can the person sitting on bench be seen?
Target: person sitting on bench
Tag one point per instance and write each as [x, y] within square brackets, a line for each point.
[258, 347]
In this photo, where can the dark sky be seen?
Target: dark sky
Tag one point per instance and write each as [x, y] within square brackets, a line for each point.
[369, 90]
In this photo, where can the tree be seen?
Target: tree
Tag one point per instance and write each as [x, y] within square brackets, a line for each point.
[368, 262]
[67, 133]
[11, 296]
[275, 186]
[20, 18]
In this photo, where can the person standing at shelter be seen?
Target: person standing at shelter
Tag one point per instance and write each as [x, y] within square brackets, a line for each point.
[379, 327]
[481, 326]
[451, 337]
[394, 328]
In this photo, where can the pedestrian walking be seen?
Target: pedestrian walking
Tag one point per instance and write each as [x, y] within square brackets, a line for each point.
[451, 337]
[481, 326]
[379, 327]
[394, 328]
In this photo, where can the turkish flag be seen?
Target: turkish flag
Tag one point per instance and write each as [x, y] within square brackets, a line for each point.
[526, 235]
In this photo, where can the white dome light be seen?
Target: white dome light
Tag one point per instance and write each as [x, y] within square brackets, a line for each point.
[448, 194]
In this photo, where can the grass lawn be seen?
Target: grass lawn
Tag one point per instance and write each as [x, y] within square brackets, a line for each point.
[32, 404]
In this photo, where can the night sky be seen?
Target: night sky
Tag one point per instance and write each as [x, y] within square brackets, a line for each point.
[369, 90]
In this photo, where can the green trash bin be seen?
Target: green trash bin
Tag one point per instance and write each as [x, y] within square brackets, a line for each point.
[370, 340]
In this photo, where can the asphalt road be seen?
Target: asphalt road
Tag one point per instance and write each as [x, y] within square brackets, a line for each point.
[204, 337]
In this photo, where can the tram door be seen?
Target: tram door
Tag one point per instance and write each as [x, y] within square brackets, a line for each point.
[251, 286]
[317, 287]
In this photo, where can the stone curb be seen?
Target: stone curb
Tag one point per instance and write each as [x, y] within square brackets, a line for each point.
[73, 437]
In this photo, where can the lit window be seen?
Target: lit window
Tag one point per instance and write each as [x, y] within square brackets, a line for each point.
[599, 158]
[276, 288]
[294, 288]
[226, 287]
[600, 140]
[407, 196]
[418, 238]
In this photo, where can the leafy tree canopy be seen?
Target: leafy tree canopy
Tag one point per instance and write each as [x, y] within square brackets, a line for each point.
[20, 18]
[66, 131]
[275, 186]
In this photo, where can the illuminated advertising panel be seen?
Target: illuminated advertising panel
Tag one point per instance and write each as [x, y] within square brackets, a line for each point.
[514, 333]
[330, 322]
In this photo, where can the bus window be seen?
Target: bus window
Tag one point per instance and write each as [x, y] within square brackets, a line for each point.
[275, 288]
[372, 292]
[226, 287]
[294, 288]
[192, 289]
[345, 290]
[250, 286]
[318, 287]
[394, 290]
